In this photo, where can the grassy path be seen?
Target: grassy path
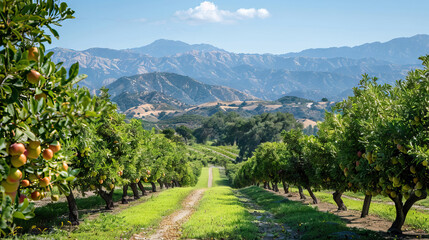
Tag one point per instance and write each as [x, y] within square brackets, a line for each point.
[170, 226]
[220, 215]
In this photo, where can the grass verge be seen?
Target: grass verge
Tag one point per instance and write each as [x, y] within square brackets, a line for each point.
[128, 221]
[203, 179]
[305, 220]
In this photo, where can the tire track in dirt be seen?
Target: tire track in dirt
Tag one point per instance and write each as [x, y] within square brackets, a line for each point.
[170, 226]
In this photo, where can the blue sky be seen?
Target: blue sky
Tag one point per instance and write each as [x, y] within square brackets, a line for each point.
[245, 26]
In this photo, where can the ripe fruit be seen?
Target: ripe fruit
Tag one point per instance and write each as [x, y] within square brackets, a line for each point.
[39, 96]
[10, 187]
[64, 166]
[48, 154]
[55, 148]
[101, 181]
[16, 149]
[33, 77]
[25, 183]
[33, 144]
[137, 180]
[55, 198]
[18, 160]
[33, 54]
[44, 182]
[34, 153]
[148, 172]
[21, 198]
[35, 195]
[359, 154]
[14, 175]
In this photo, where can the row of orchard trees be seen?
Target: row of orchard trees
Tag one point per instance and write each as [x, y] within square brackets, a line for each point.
[56, 136]
[375, 142]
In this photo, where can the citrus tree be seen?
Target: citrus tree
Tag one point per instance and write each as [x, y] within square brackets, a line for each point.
[38, 108]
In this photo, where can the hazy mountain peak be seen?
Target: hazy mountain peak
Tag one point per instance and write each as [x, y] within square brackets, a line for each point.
[164, 48]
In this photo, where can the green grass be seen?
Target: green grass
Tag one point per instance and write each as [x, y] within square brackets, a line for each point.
[133, 219]
[55, 214]
[220, 215]
[219, 178]
[305, 220]
[223, 151]
[203, 179]
[416, 219]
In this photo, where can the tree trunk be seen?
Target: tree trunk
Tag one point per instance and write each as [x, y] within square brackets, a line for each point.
[107, 197]
[365, 207]
[265, 185]
[275, 187]
[135, 191]
[301, 193]
[257, 184]
[153, 186]
[268, 185]
[124, 194]
[402, 210]
[161, 186]
[142, 188]
[73, 213]
[312, 196]
[166, 185]
[177, 183]
[285, 187]
[337, 198]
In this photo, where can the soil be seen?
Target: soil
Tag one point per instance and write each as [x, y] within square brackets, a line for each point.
[170, 226]
[353, 219]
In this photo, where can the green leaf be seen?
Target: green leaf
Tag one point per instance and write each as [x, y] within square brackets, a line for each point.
[69, 179]
[18, 215]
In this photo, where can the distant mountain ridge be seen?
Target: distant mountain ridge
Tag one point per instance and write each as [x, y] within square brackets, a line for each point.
[410, 49]
[182, 88]
[265, 76]
[165, 48]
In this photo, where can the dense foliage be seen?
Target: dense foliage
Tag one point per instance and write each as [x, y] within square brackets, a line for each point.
[56, 137]
[374, 142]
[246, 133]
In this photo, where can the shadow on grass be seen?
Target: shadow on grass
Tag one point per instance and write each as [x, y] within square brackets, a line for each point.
[56, 213]
[307, 221]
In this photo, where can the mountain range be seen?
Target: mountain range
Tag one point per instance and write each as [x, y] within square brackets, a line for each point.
[312, 73]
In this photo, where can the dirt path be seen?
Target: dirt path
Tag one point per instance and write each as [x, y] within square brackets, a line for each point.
[209, 184]
[268, 228]
[353, 219]
[170, 226]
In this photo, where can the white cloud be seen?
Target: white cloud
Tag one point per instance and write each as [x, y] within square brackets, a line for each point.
[209, 12]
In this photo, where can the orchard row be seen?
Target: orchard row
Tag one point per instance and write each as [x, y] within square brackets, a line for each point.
[375, 142]
[56, 137]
